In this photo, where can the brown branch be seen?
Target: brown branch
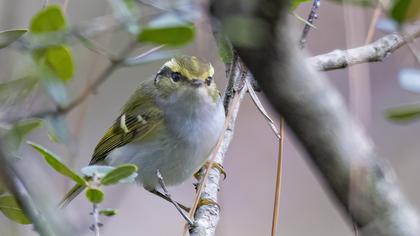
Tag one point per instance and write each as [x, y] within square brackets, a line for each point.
[363, 185]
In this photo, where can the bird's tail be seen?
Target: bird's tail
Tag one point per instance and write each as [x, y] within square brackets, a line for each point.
[70, 195]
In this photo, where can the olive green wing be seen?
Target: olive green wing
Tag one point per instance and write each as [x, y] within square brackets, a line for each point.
[134, 125]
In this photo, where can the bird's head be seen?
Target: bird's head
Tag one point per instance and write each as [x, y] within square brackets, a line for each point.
[187, 74]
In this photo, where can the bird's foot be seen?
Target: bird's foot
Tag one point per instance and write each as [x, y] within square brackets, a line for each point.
[215, 165]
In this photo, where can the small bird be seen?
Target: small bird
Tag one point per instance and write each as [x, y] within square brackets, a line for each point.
[168, 127]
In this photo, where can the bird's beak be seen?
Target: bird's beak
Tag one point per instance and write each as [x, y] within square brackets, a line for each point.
[197, 83]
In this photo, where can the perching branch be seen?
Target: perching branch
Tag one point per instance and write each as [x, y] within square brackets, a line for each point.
[207, 215]
[363, 185]
[376, 51]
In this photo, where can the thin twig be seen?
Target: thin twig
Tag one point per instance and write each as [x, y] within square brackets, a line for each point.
[261, 108]
[373, 22]
[94, 47]
[95, 215]
[311, 18]
[277, 196]
[376, 51]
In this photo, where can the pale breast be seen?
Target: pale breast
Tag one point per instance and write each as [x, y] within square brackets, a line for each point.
[192, 130]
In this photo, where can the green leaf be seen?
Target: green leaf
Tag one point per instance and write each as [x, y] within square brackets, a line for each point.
[9, 36]
[119, 173]
[15, 91]
[20, 130]
[10, 208]
[108, 212]
[405, 10]
[295, 4]
[404, 113]
[60, 61]
[168, 29]
[49, 19]
[57, 165]
[94, 195]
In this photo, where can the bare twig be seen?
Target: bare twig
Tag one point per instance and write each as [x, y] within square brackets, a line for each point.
[311, 18]
[277, 195]
[95, 216]
[261, 108]
[376, 51]
[372, 26]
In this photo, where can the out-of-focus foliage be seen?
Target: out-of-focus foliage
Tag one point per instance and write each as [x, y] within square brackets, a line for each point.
[404, 113]
[10, 208]
[57, 58]
[224, 48]
[405, 10]
[295, 4]
[168, 29]
[9, 36]
[126, 11]
[57, 165]
[19, 131]
[15, 91]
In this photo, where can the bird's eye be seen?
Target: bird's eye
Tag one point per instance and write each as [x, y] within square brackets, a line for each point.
[176, 76]
[208, 80]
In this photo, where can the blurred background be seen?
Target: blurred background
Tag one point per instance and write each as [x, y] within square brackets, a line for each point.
[247, 194]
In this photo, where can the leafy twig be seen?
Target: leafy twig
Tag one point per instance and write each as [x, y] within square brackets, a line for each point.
[115, 64]
[42, 217]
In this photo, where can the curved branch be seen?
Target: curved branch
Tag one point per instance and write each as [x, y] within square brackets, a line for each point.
[374, 52]
[363, 185]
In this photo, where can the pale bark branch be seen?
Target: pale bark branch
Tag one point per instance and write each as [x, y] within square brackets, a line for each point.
[363, 185]
[374, 52]
[207, 215]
